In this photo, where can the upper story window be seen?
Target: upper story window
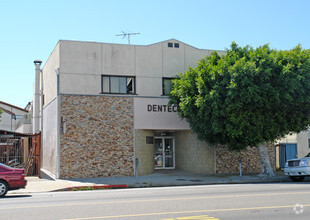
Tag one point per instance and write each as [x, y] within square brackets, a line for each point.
[167, 83]
[118, 84]
[175, 45]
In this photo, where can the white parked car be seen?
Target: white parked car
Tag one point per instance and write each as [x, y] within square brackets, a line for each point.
[298, 169]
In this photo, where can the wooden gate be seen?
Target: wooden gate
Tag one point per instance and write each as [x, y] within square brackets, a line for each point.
[21, 151]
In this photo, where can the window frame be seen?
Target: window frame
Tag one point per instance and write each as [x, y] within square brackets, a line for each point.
[163, 84]
[308, 138]
[119, 76]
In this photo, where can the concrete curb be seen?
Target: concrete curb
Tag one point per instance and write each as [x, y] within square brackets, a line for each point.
[212, 183]
[37, 185]
[146, 185]
[95, 187]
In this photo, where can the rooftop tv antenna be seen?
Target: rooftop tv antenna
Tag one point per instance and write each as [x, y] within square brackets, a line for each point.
[127, 35]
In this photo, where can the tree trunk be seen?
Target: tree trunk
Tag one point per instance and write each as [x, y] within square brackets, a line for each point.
[264, 161]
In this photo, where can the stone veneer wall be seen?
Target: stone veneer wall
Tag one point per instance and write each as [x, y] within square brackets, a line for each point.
[96, 136]
[227, 162]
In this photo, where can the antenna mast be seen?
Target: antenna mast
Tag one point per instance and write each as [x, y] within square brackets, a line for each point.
[127, 35]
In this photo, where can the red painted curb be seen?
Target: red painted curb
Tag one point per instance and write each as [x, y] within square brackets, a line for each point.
[96, 187]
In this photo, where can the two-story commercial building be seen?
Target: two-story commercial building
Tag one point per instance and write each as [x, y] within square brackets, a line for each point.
[106, 105]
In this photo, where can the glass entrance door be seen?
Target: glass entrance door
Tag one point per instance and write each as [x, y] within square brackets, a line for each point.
[158, 151]
[164, 153]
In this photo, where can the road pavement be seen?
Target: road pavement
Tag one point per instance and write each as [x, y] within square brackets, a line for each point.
[231, 201]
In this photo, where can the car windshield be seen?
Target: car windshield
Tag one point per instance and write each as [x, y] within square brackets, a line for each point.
[1, 164]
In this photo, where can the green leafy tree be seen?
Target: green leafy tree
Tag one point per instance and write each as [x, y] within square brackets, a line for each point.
[247, 97]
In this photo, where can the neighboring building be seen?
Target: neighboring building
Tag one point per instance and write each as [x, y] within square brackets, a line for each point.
[292, 146]
[14, 118]
[106, 105]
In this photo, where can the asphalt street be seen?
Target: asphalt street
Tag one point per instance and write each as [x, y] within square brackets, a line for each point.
[240, 201]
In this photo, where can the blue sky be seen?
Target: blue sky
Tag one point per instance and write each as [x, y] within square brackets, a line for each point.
[31, 29]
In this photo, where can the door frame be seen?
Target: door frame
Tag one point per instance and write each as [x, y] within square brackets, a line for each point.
[164, 159]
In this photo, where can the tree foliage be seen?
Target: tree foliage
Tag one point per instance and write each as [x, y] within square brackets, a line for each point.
[247, 96]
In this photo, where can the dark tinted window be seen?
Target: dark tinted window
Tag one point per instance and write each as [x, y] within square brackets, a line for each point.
[118, 84]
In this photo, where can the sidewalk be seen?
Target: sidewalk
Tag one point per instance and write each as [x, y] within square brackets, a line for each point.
[159, 178]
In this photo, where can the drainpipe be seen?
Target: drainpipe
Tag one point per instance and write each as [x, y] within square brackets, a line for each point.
[36, 104]
[41, 101]
[42, 140]
[57, 162]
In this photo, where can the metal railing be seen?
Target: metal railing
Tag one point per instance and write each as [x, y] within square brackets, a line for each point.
[26, 119]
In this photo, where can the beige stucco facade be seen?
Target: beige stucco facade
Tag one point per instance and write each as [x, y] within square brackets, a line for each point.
[303, 147]
[81, 65]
